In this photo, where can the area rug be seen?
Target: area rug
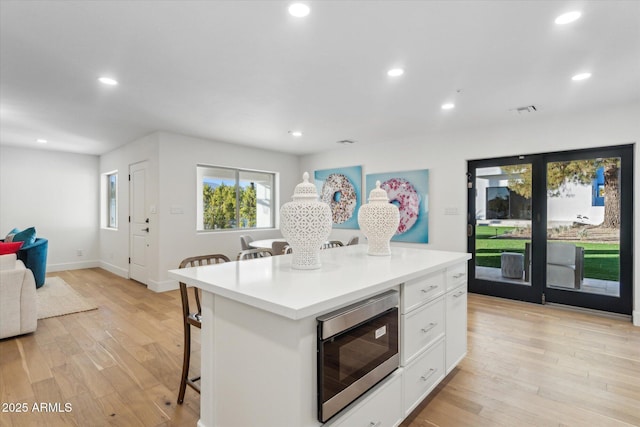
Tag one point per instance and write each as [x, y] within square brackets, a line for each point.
[57, 298]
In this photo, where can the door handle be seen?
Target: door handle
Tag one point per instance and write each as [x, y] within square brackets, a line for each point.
[146, 229]
[469, 230]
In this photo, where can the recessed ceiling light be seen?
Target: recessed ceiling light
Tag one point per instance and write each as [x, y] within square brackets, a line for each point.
[448, 106]
[299, 10]
[581, 76]
[395, 72]
[566, 18]
[41, 141]
[295, 133]
[108, 81]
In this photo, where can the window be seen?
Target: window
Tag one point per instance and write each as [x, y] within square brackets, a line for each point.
[234, 198]
[504, 203]
[597, 198]
[110, 211]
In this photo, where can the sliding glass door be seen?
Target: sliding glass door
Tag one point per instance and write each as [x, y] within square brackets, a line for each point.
[589, 228]
[501, 227]
[554, 227]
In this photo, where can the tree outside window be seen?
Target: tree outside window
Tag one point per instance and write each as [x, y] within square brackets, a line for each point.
[234, 198]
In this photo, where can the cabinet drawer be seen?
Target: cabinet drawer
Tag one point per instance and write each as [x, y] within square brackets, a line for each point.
[422, 376]
[420, 290]
[456, 275]
[421, 328]
[382, 408]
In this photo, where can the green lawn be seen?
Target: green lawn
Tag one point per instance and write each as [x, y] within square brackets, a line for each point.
[601, 260]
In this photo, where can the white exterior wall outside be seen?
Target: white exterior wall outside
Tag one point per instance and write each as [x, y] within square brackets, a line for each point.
[563, 210]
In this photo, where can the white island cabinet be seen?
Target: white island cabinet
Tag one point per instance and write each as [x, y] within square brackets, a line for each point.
[258, 340]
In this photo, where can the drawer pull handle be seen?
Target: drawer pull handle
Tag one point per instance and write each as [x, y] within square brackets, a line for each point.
[372, 424]
[458, 294]
[432, 287]
[426, 376]
[430, 327]
[459, 275]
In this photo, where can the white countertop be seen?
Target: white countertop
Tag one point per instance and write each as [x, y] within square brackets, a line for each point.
[347, 275]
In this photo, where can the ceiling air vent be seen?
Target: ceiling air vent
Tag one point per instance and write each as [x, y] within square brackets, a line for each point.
[345, 141]
[527, 109]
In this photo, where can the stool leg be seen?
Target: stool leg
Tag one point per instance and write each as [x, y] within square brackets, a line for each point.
[185, 362]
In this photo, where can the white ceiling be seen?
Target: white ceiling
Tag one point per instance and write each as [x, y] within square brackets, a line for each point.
[247, 72]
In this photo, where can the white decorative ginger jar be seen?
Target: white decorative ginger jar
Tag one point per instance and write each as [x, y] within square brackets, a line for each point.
[379, 221]
[305, 224]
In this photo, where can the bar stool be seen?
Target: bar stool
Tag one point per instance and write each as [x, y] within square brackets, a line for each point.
[190, 319]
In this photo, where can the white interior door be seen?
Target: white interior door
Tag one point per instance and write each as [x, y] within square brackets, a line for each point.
[138, 223]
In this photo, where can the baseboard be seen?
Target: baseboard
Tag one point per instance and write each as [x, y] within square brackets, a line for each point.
[636, 317]
[164, 286]
[72, 266]
[118, 271]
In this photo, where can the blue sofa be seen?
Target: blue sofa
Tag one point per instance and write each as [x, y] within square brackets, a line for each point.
[34, 258]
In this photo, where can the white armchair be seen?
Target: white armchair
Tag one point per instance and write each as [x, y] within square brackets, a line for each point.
[18, 305]
[565, 264]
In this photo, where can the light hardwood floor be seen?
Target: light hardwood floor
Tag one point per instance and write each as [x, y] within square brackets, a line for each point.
[528, 365]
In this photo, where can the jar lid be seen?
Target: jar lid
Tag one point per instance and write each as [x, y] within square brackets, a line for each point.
[378, 194]
[305, 190]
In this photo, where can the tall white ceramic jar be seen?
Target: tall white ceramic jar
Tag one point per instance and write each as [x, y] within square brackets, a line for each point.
[306, 224]
[379, 221]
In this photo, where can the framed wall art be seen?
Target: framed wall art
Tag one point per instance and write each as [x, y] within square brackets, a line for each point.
[409, 190]
[341, 188]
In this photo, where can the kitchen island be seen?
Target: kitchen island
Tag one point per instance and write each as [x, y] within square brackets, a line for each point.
[259, 327]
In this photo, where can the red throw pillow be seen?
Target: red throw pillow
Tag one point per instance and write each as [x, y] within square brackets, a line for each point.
[10, 248]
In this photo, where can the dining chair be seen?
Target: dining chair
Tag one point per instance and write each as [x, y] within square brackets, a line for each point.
[278, 247]
[245, 239]
[192, 318]
[354, 240]
[332, 244]
[254, 253]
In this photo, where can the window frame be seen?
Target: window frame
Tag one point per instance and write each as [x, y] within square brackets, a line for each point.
[110, 198]
[201, 172]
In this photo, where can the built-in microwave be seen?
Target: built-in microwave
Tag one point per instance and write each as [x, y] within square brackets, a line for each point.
[357, 348]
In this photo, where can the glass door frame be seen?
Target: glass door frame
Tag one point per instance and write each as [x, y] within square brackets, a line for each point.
[531, 292]
[623, 303]
[537, 291]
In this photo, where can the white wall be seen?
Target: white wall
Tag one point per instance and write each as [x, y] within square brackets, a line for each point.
[446, 156]
[576, 200]
[114, 244]
[179, 156]
[57, 193]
